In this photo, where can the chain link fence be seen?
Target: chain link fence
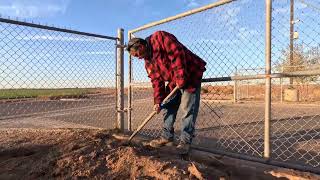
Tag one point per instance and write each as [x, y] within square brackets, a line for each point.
[231, 37]
[296, 119]
[223, 38]
[53, 77]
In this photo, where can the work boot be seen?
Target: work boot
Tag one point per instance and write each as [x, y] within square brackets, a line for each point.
[183, 148]
[156, 143]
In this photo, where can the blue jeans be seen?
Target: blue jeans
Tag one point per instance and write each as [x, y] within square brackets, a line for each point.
[189, 106]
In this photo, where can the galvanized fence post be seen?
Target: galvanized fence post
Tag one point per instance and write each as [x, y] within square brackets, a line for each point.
[235, 89]
[268, 81]
[129, 88]
[120, 80]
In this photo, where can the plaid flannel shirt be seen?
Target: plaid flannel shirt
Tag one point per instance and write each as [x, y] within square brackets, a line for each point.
[169, 60]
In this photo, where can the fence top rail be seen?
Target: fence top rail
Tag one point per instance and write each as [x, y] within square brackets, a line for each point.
[263, 76]
[10, 21]
[187, 13]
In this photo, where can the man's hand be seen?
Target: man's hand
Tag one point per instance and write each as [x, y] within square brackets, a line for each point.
[157, 108]
[180, 87]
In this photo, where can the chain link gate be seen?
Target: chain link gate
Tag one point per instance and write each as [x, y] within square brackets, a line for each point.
[53, 77]
[296, 50]
[242, 113]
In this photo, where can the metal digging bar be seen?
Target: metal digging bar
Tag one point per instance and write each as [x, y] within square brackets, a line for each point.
[152, 114]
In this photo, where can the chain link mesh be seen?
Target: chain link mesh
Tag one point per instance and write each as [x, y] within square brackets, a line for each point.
[228, 38]
[231, 39]
[55, 79]
[295, 108]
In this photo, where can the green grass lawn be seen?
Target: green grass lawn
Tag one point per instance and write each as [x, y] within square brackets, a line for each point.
[42, 93]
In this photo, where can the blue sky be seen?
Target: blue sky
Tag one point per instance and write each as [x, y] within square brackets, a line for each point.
[96, 16]
[45, 59]
[228, 37]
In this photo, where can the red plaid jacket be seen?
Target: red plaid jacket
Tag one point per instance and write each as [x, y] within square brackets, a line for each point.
[169, 60]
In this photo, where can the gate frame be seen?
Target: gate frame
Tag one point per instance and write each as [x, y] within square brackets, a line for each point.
[268, 76]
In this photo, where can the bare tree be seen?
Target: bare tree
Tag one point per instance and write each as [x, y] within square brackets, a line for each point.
[301, 61]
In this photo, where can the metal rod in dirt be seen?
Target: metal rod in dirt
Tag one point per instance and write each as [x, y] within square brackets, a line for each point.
[188, 13]
[152, 114]
[143, 124]
[120, 81]
[129, 89]
[268, 80]
[10, 21]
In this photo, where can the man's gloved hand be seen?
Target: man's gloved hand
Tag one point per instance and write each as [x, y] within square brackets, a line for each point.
[157, 108]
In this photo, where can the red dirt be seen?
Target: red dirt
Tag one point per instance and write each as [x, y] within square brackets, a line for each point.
[79, 153]
[94, 154]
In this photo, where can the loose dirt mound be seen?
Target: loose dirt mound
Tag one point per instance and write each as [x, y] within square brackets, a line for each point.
[62, 153]
[93, 154]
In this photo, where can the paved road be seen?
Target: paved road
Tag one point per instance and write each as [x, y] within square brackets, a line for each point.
[97, 111]
[239, 128]
[34, 106]
[232, 127]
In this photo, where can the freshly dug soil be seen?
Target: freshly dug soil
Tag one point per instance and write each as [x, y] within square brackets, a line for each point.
[94, 154]
[67, 153]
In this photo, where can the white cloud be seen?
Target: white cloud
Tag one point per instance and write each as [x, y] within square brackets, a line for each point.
[230, 17]
[244, 33]
[300, 5]
[286, 9]
[232, 12]
[283, 10]
[33, 8]
[192, 4]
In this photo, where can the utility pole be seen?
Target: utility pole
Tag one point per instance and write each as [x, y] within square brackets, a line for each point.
[291, 36]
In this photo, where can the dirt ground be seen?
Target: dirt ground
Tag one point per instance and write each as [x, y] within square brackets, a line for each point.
[97, 154]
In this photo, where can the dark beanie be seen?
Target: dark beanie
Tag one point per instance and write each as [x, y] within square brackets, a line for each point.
[134, 41]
